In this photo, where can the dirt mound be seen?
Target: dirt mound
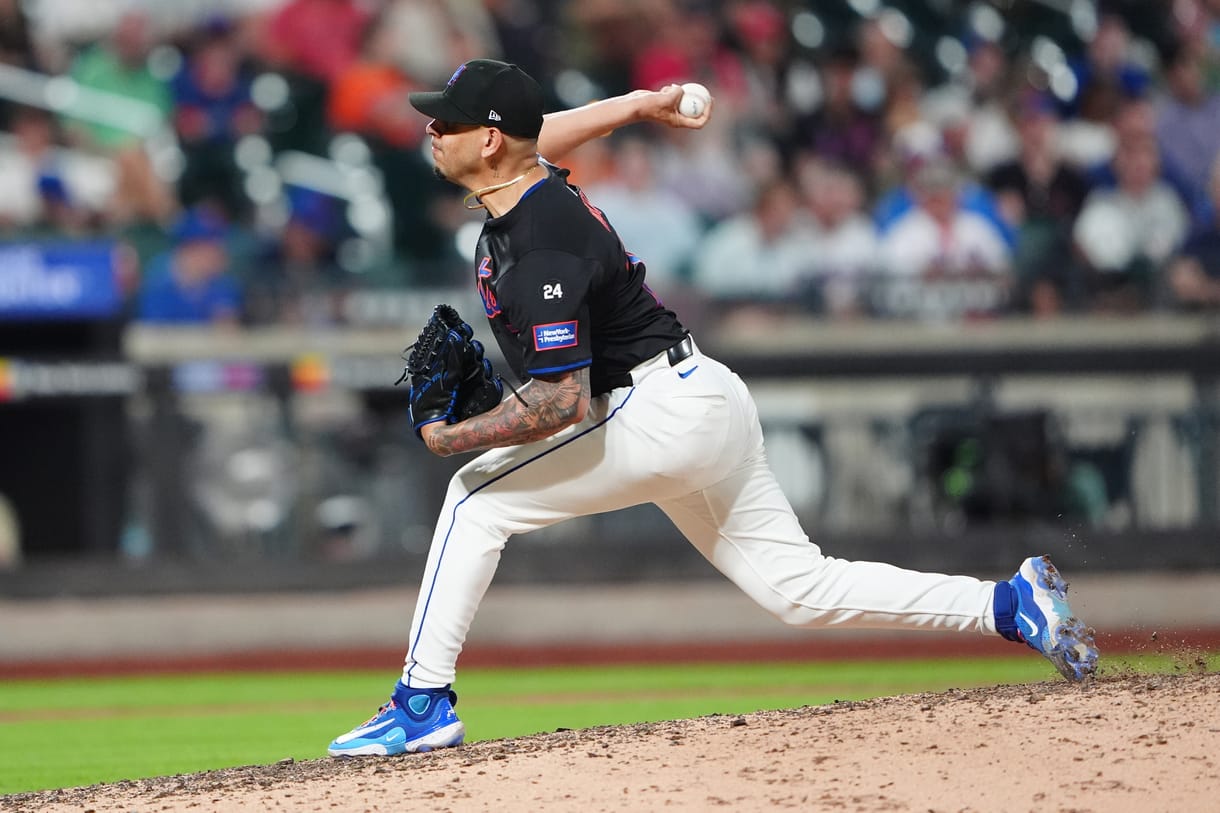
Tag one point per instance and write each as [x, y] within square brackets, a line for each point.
[1132, 743]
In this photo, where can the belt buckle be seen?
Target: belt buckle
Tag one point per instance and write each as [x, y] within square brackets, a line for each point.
[677, 353]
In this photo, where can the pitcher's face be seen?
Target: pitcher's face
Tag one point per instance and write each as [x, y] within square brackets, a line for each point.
[455, 149]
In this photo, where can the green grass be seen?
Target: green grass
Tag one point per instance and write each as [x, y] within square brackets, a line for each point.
[65, 733]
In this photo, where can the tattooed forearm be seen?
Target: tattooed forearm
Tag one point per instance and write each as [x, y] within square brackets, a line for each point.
[549, 405]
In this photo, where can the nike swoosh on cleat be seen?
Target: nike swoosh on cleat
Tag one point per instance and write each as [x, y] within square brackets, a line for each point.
[364, 732]
[688, 372]
[1033, 628]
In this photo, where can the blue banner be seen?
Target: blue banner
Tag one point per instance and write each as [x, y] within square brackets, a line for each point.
[58, 281]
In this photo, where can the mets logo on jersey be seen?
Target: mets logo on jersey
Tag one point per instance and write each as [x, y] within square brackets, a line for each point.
[554, 336]
[491, 306]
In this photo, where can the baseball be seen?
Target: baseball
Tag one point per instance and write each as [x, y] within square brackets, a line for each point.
[695, 98]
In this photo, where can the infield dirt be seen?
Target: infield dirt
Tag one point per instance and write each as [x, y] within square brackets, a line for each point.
[1141, 743]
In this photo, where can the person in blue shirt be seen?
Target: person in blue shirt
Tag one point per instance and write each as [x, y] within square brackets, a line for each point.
[213, 110]
[192, 283]
[972, 197]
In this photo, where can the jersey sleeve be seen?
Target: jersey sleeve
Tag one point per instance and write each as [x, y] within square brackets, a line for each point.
[545, 299]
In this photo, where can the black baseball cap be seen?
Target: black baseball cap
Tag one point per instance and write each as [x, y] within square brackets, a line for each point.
[487, 93]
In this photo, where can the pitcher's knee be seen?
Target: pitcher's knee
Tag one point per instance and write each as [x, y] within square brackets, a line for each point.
[791, 613]
[794, 615]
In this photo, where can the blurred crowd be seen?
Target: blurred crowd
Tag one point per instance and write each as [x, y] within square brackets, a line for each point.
[258, 160]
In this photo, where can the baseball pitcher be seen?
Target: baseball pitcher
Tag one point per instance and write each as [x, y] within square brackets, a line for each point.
[619, 407]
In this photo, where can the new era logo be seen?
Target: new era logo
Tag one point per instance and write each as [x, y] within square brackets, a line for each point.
[493, 115]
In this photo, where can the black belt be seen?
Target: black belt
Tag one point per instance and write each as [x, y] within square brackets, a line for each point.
[674, 354]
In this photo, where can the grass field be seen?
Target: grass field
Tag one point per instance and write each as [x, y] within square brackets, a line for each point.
[66, 733]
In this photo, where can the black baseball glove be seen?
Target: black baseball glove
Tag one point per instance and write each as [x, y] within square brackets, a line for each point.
[449, 377]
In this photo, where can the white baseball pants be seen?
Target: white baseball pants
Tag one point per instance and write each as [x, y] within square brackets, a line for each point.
[688, 439]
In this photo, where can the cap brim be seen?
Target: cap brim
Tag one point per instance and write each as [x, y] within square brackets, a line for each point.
[434, 104]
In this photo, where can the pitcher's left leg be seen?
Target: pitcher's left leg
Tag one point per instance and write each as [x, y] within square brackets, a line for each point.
[746, 528]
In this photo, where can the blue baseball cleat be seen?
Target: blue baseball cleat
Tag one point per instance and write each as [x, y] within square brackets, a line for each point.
[1032, 607]
[414, 720]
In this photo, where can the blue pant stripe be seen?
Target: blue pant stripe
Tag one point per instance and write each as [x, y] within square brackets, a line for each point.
[453, 520]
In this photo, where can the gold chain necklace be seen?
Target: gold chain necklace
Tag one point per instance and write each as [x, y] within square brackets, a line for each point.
[487, 190]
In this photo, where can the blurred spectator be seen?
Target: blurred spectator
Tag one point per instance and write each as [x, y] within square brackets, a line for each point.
[779, 84]
[713, 173]
[63, 216]
[686, 43]
[432, 36]
[1196, 28]
[915, 146]
[1194, 273]
[991, 138]
[297, 280]
[760, 257]
[614, 34]
[45, 182]
[1107, 71]
[213, 109]
[846, 255]
[118, 64]
[1040, 196]
[860, 110]
[942, 260]
[311, 43]
[1111, 93]
[317, 39]
[971, 110]
[882, 55]
[1188, 129]
[902, 108]
[369, 98]
[846, 129]
[528, 33]
[1134, 121]
[1126, 233]
[192, 283]
[655, 225]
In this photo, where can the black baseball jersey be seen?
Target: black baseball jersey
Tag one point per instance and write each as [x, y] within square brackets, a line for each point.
[561, 291]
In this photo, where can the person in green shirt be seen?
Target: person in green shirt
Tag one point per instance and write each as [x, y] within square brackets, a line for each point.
[118, 64]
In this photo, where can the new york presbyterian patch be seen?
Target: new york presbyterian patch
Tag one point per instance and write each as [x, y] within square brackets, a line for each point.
[555, 336]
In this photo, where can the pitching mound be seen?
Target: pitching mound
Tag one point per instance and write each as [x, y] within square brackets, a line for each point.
[1123, 744]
